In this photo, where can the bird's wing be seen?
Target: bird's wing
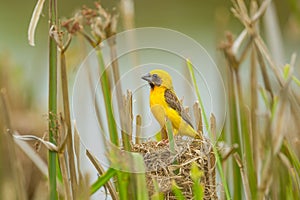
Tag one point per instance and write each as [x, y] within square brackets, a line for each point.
[174, 103]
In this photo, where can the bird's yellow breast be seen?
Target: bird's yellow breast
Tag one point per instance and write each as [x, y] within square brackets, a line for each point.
[160, 108]
[157, 97]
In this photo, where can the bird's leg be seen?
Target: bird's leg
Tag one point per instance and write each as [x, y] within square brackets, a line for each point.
[160, 115]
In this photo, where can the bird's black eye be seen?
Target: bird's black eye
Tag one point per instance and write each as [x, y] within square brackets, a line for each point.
[154, 75]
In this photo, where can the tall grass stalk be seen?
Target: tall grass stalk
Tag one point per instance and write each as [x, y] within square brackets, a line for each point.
[245, 134]
[67, 116]
[219, 164]
[52, 99]
[122, 177]
[126, 118]
[140, 179]
[107, 99]
[123, 183]
[261, 156]
[104, 178]
[116, 77]
[191, 70]
[234, 134]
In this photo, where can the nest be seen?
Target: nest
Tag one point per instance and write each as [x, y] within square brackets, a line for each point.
[164, 166]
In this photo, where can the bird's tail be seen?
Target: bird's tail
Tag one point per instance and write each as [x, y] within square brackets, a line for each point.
[187, 130]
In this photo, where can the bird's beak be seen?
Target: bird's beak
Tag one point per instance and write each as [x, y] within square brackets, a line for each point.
[147, 77]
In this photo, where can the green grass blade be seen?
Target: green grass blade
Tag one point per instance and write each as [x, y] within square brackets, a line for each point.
[107, 99]
[264, 96]
[140, 179]
[297, 81]
[102, 180]
[52, 101]
[176, 190]
[122, 177]
[58, 173]
[123, 181]
[170, 136]
[219, 164]
[190, 67]
[247, 149]
[196, 175]
[286, 148]
[234, 135]
[286, 71]
[157, 195]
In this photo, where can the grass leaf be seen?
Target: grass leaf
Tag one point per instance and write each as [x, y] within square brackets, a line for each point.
[102, 180]
[297, 81]
[286, 71]
[34, 21]
[219, 164]
[196, 175]
[176, 190]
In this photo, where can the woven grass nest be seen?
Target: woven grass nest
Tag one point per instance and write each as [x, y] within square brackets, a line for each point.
[163, 166]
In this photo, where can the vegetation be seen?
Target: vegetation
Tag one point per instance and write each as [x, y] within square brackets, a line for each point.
[256, 156]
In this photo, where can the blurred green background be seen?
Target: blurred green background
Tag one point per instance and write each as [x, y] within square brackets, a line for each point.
[205, 21]
[202, 20]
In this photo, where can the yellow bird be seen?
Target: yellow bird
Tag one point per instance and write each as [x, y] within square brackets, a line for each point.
[164, 104]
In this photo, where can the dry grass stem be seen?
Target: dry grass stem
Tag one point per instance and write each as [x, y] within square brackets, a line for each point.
[138, 129]
[254, 105]
[226, 152]
[77, 149]
[198, 117]
[244, 176]
[278, 126]
[64, 172]
[49, 145]
[101, 171]
[33, 156]
[126, 117]
[14, 162]
[34, 21]
[67, 116]
[213, 127]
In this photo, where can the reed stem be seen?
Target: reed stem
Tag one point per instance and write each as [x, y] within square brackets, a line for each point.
[52, 101]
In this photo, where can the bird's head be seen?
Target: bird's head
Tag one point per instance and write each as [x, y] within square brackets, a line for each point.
[158, 78]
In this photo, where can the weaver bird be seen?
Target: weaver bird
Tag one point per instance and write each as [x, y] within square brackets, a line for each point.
[165, 104]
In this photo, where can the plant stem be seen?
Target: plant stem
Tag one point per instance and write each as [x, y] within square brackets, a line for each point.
[234, 130]
[140, 178]
[102, 180]
[170, 136]
[67, 116]
[107, 99]
[52, 100]
[123, 181]
[189, 64]
[218, 160]
[246, 139]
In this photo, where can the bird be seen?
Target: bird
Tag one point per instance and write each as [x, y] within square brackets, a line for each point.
[165, 105]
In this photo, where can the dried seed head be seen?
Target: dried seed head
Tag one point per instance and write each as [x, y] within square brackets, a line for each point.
[96, 24]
